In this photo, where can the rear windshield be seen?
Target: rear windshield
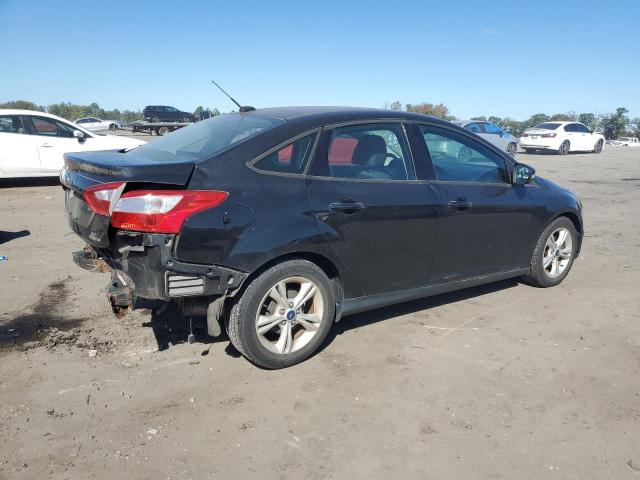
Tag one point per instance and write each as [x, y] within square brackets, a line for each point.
[547, 126]
[205, 139]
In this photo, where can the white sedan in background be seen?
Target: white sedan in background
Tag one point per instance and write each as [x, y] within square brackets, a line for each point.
[563, 137]
[32, 144]
[96, 124]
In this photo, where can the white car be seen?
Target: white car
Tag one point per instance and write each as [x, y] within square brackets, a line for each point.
[626, 142]
[32, 144]
[563, 137]
[95, 124]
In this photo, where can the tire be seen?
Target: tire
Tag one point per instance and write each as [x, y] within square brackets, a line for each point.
[530, 150]
[541, 276]
[186, 120]
[464, 154]
[512, 150]
[598, 146]
[564, 147]
[257, 303]
[155, 119]
[113, 127]
[162, 131]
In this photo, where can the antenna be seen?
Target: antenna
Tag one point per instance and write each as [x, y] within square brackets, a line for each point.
[242, 109]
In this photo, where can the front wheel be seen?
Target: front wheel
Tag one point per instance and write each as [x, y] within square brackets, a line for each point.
[283, 315]
[186, 120]
[512, 149]
[554, 254]
[564, 148]
[598, 147]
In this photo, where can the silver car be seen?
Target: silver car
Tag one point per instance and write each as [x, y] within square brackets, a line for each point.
[496, 135]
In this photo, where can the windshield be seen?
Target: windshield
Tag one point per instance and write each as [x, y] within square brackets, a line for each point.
[202, 140]
[547, 126]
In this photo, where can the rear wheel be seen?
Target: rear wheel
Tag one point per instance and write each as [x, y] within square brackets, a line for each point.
[564, 148]
[512, 149]
[186, 120]
[163, 130]
[283, 315]
[464, 154]
[155, 119]
[554, 254]
[113, 127]
[598, 147]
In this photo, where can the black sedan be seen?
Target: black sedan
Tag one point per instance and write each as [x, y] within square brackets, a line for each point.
[275, 223]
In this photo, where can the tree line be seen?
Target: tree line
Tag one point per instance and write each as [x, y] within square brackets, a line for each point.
[72, 112]
[611, 125]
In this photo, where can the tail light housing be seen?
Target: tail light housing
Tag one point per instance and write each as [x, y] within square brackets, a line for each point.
[154, 211]
[549, 135]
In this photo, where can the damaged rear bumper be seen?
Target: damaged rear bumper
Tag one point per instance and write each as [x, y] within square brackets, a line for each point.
[144, 266]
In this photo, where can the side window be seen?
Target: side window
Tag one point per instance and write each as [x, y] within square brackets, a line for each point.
[581, 128]
[11, 124]
[570, 128]
[492, 129]
[474, 127]
[456, 158]
[291, 158]
[51, 128]
[368, 152]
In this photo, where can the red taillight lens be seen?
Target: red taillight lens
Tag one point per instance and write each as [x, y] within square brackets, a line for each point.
[162, 211]
[548, 135]
[99, 196]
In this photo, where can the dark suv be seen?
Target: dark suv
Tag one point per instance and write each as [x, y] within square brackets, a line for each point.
[275, 223]
[164, 113]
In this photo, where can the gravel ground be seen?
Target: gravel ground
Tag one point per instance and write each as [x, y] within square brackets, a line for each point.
[502, 381]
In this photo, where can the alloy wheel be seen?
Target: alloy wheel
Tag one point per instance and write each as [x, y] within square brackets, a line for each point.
[289, 315]
[511, 150]
[557, 253]
[564, 148]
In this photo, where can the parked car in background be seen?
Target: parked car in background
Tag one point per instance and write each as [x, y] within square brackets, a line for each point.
[496, 135]
[96, 124]
[32, 144]
[563, 137]
[164, 113]
[626, 142]
[281, 221]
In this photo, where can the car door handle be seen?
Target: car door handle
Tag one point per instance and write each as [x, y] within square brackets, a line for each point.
[346, 207]
[46, 145]
[460, 204]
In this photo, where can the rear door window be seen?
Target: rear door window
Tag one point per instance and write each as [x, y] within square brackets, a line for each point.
[291, 158]
[11, 124]
[474, 127]
[492, 129]
[457, 158]
[368, 152]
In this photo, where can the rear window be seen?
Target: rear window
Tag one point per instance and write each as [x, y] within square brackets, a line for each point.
[547, 126]
[205, 139]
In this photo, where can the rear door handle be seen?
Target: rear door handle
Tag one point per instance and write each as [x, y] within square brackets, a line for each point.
[346, 207]
[46, 145]
[460, 204]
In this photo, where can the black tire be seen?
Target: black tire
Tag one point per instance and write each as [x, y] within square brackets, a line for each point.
[241, 326]
[598, 146]
[564, 148]
[186, 120]
[113, 127]
[537, 275]
[155, 119]
[163, 131]
[530, 150]
[512, 150]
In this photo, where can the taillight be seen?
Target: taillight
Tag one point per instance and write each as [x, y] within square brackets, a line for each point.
[548, 135]
[162, 211]
[99, 196]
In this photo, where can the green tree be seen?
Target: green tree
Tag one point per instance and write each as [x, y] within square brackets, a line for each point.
[562, 117]
[440, 110]
[495, 120]
[397, 106]
[615, 124]
[635, 127]
[198, 111]
[22, 105]
[481, 118]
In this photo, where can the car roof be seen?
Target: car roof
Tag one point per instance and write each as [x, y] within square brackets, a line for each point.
[321, 115]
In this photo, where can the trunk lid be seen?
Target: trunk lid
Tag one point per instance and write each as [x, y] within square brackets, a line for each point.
[86, 169]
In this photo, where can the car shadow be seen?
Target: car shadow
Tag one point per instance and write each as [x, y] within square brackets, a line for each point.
[29, 182]
[8, 236]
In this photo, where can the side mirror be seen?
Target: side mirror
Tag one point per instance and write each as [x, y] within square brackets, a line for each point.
[523, 174]
[78, 134]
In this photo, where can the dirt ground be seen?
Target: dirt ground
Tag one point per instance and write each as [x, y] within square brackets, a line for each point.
[504, 381]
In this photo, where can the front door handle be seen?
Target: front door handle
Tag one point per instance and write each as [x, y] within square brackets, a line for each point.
[46, 145]
[346, 207]
[460, 204]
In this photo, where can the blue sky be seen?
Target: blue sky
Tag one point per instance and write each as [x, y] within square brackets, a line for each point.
[478, 58]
